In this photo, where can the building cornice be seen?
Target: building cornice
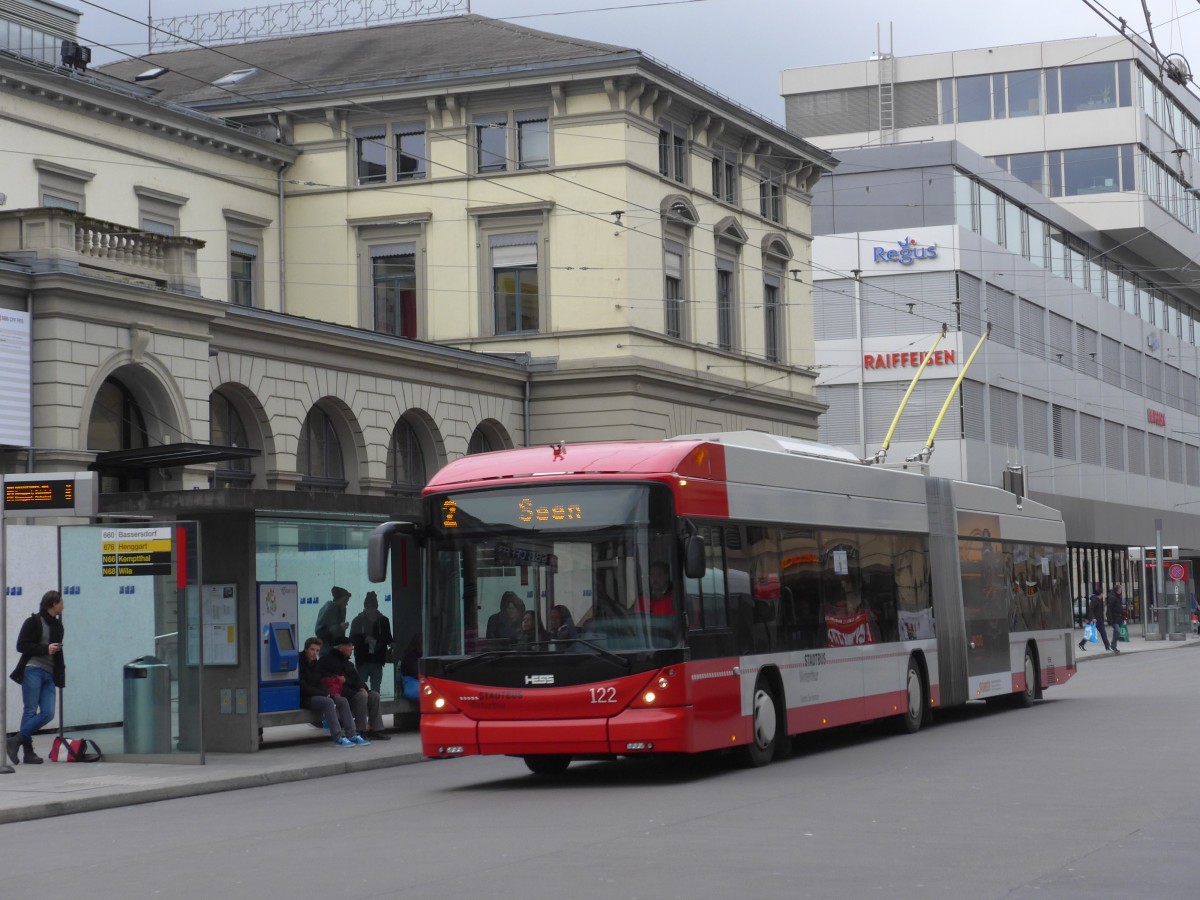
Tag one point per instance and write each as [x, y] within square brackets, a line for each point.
[171, 122]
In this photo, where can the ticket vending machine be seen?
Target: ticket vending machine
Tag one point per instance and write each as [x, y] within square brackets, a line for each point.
[278, 647]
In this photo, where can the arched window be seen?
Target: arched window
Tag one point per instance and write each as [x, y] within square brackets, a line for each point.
[406, 459]
[118, 423]
[319, 456]
[227, 429]
[481, 442]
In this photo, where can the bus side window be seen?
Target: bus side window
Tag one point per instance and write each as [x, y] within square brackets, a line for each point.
[737, 587]
[800, 614]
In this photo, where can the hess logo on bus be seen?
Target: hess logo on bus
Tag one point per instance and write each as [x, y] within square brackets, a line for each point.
[539, 679]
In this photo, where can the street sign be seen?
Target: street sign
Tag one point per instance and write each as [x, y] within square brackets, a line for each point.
[1176, 572]
[135, 551]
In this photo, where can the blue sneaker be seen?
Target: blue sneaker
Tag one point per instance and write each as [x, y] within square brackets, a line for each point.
[359, 740]
[343, 741]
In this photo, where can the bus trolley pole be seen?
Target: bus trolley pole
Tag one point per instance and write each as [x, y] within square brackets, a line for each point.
[880, 456]
[927, 451]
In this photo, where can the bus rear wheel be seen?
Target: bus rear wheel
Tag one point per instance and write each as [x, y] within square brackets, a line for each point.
[547, 765]
[1026, 698]
[914, 690]
[764, 728]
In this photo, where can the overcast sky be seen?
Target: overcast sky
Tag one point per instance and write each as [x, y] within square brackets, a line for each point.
[739, 47]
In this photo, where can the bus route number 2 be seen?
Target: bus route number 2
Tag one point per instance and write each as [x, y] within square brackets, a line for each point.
[604, 695]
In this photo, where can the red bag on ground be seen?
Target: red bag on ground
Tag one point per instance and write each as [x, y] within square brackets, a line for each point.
[82, 750]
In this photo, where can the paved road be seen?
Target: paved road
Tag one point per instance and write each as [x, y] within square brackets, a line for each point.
[1093, 793]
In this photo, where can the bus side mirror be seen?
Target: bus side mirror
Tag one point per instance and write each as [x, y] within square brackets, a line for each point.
[693, 556]
[379, 546]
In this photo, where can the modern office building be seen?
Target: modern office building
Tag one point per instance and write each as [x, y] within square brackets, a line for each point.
[1046, 190]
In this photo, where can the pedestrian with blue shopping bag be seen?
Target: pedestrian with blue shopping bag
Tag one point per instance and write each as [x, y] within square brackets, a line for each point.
[1095, 616]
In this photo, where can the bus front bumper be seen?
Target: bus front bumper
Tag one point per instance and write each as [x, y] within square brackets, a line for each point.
[632, 731]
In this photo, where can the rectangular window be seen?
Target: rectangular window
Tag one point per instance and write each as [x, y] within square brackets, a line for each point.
[515, 283]
[989, 214]
[491, 143]
[725, 175]
[242, 259]
[673, 289]
[1013, 231]
[1064, 431]
[1089, 86]
[410, 152]
[999, 97]
[1024, 93]
[770, 197]
[1051, 91]
[964, 202]
[673, 151]
[62, 187]
[394, 280]
[533, 139]
[772, 337]
[1037, 241]
[370, 146]
[153, 226]
[1128, 171]
[1056, 177]
[946, 89]
[974, 98]
[1091, 170]
[1114, 446]
[1030, 168]
[1137, 451]
[725, 305]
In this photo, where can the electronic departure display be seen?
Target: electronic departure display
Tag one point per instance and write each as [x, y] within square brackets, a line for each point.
[50, 494]
[45, 494]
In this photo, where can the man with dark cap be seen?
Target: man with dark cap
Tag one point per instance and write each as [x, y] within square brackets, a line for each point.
[364, 703]
[331, 620]
[371, 633]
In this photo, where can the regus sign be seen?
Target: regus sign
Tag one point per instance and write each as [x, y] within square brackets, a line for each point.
[908, 251]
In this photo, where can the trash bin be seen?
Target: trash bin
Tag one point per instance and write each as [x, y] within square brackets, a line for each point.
[147, 705]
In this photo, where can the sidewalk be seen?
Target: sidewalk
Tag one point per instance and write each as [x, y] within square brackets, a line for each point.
[294, 753]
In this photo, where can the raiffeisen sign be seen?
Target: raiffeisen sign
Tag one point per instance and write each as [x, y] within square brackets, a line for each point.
[906, 252]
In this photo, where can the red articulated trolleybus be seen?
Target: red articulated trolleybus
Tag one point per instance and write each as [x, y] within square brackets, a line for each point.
[716, 592]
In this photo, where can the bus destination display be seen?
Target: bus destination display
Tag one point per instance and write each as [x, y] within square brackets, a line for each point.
[576, 507]
[48, 494]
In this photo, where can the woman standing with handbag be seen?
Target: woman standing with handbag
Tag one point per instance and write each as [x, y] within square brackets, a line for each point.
[40, 671]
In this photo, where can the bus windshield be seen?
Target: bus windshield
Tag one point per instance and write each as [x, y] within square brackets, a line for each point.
[563, 568]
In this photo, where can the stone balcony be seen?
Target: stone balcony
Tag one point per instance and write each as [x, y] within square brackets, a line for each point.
[64, 240]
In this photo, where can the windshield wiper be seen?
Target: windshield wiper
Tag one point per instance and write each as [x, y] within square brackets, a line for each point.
[477, 658]
[607, 654]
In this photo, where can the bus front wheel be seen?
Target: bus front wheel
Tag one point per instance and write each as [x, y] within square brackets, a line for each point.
[547, 765]
[765, 727]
